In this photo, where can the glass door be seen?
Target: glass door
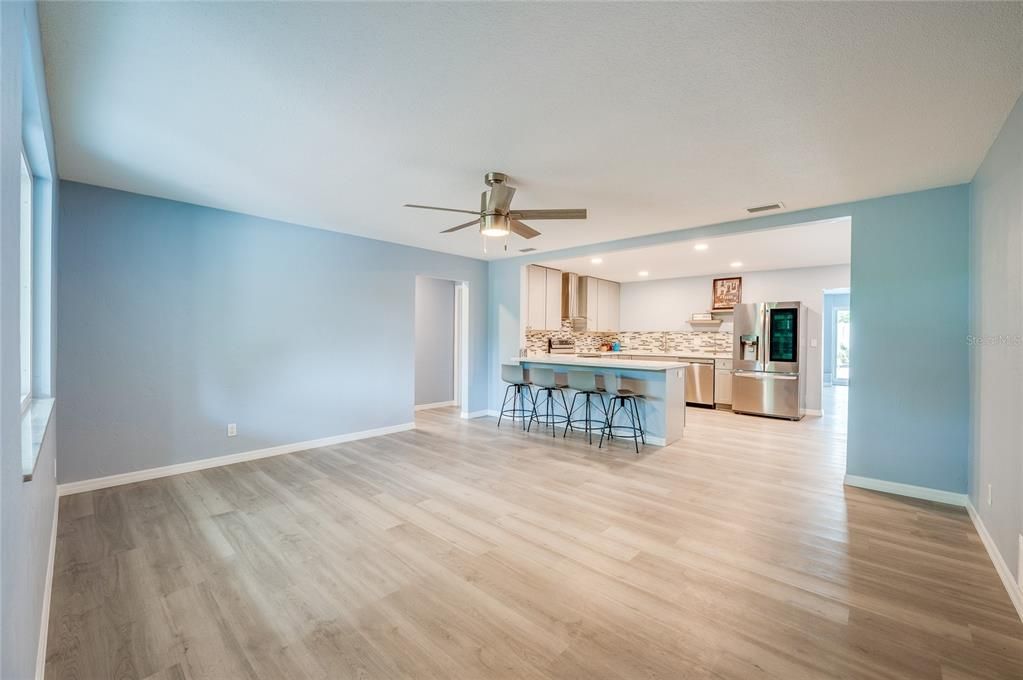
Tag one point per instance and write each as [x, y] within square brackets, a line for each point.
[784, 336]
[842, 329]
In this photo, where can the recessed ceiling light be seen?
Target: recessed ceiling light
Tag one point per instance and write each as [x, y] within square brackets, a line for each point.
[644, 273]
[700, 246]
[737, 264]
[596, 260]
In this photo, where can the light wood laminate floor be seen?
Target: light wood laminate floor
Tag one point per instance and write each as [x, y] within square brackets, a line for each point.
[458, 550]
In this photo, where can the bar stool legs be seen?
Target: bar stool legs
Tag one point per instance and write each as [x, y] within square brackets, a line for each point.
[587, 420]
[550, 417]
[519, 398]
[633, 430]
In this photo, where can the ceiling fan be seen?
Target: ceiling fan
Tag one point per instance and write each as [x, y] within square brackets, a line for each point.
[495, 216]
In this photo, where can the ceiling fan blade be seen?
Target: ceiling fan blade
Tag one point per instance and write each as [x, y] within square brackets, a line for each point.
[523, 230]
[564, 214]
[433, 207]
[461, 226]
[500, 198]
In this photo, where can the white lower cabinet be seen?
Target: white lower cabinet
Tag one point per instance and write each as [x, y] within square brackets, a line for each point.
[723, 382]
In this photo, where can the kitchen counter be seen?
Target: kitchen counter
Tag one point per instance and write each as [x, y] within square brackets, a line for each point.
[662, 383]
[685, 355]
[603, 361]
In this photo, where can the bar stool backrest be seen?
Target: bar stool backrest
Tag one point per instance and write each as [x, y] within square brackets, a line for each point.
[514, 374]
[583, 381]
[542, 377]
[614, 385]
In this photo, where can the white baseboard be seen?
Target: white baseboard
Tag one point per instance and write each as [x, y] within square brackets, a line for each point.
[44, 624]
[922, 492]
[812, 412]
[479, 414]
[436, 404]
[218, 461]
[1014, 589]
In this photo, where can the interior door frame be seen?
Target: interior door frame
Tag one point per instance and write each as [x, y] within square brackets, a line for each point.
[461, 363]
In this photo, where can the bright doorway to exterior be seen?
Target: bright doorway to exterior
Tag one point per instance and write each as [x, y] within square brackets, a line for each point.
[841, 346]
[837, 330]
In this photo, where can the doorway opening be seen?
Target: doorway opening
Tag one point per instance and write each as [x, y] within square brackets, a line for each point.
[441, 343]
[837, 355]
[837, 332]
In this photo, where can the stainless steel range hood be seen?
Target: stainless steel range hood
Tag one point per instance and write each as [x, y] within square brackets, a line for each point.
[573, 300]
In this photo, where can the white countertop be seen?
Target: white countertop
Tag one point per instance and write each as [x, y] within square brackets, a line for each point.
[601, 362]
[686, 355]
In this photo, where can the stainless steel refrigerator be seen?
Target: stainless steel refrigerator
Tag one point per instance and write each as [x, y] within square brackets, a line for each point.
[769, 359]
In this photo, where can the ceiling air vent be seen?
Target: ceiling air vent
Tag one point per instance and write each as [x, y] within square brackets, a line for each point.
[526, 250]
[765, 208]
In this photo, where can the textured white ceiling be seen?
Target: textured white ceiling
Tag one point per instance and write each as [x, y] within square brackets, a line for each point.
[652, 116]
[814, 244]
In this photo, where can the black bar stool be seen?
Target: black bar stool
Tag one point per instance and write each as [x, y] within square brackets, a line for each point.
[518, 380]
[622, 399]
[547, 383]
[585, 385]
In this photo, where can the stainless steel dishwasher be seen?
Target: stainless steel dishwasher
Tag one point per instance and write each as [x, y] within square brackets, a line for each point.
[700, 382]
[699, 378]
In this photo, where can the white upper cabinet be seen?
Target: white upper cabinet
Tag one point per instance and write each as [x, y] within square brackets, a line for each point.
[536, 316]
[602, 304]
[544, 298]
[553, 314]
[609, 306]
[589, 292]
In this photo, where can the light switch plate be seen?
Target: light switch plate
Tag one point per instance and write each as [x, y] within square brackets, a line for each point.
[232, 429]
[813, 342]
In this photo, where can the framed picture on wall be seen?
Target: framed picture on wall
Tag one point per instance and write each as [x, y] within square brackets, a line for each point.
[727, 293]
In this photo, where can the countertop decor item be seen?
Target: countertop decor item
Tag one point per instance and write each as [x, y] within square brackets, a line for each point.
[727, 293]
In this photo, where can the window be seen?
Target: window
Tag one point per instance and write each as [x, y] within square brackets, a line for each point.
[27, 214]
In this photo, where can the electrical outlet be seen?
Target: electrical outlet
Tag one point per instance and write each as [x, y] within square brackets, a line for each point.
[989, 495]
[232, 429]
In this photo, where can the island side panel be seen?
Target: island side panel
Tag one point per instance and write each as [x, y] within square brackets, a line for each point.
[675, 404]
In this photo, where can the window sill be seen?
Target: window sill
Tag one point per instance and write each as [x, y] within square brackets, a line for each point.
[34, 422]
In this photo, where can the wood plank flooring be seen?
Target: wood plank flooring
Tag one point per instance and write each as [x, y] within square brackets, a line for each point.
[458, 550]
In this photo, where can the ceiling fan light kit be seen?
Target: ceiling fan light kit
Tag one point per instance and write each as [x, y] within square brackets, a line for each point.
[494, 225]
[496, 219]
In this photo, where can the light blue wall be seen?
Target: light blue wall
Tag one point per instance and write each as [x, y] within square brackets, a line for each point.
[177, 320]
[831, 301]
[997, 317]
[435, 340]
[26, 508]
[908, 406]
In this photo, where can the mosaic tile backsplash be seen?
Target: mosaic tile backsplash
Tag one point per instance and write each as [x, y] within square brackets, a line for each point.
[636, 341]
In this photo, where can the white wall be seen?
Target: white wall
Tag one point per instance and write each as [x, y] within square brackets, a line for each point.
[435, 340]
[26, 507]
[996, 355]
[666, 304]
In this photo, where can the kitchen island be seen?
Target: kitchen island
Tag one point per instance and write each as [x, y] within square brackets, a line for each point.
[662, 383]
